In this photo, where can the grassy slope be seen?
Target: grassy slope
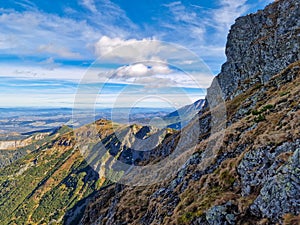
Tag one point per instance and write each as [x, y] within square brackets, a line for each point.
[55, 178]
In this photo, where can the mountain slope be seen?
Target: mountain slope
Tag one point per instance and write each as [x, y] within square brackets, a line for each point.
[17, 147]
[56, 177]
[258, 158]
[251, 176]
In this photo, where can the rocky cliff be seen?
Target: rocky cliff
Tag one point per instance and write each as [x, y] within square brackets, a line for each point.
[246, 172]
[259, 46]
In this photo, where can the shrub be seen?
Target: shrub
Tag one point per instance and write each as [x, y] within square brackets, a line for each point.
[255, 112]
[259, 118]
[267, 107]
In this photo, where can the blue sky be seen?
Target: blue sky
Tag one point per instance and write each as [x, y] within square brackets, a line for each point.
[166, 49]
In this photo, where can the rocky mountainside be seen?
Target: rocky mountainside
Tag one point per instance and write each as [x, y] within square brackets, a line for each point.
[260, 45]
[246, 169]
[236, 162]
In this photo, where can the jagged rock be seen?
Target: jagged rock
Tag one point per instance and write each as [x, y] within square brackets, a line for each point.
[222, 214]
[281, 193]
[260, 165]
[257, 48]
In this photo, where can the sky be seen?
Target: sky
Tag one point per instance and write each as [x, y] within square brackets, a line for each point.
[113, 53]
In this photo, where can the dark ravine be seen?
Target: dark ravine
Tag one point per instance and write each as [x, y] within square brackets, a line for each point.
[254, 175]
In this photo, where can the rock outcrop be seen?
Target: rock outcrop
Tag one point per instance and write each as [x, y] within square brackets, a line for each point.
[259, 46]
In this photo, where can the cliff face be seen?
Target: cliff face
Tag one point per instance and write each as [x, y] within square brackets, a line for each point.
[259, 46]
[14, 144]
[253, 176]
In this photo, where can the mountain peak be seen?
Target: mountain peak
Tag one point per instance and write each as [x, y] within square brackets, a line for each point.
[257, 48]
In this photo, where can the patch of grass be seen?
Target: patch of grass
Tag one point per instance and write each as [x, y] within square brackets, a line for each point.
[284, 93]
[259, 113]
[290, 219]
[227, 178]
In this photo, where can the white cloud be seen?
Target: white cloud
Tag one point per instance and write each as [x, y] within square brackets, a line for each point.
[140, 69]
[229, 10]
[50, 63]
[35, 33]
[203, 29]
[156, 77]
[59, 50]
[152, 63]
[89, 4]
[48, 69]
[135, 70]
[185, 21]
[156, 82]
[29, 33]
[127, 51]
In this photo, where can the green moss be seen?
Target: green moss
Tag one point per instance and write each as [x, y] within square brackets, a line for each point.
[227, 178]
[187, 217]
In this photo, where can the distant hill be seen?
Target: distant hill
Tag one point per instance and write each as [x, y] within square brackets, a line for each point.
[181, 117]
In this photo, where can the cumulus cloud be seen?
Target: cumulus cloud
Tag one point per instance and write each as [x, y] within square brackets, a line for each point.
[125, 51]
[147, 74]
[140, 69]
[152, 63]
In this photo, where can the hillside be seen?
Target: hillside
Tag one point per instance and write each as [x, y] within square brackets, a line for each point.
[248, 172]
[55, 177]
[256, 165]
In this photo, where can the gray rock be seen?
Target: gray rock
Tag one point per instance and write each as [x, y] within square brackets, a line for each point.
[257, 48]
[221, 214]
[281, 193]
[260, 165]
